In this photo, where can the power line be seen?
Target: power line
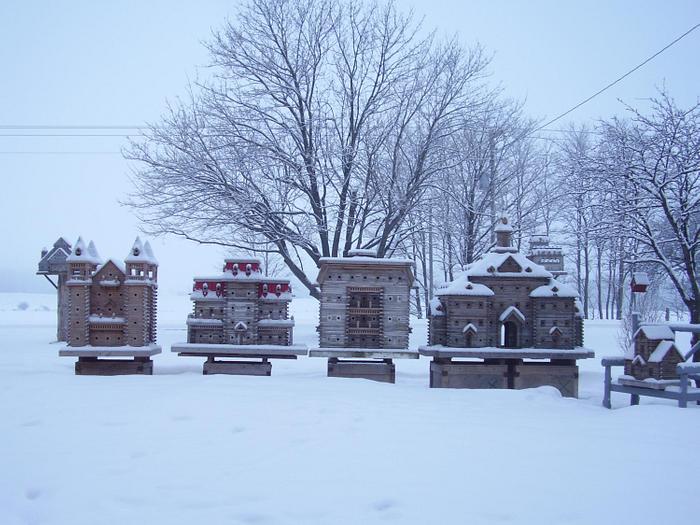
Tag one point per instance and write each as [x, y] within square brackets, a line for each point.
[60, 152]
[140, 128]
[611, 84]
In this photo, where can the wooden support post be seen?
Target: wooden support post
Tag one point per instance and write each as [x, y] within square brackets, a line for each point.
[634, 399]
[683, 399]
[608, 380]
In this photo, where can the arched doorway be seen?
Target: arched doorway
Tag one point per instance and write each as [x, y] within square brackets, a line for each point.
[510, 335]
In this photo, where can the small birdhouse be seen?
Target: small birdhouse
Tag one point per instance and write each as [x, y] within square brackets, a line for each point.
[640, 282]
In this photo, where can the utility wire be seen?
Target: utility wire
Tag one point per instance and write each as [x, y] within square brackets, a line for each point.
[26, 127]
[619, 79]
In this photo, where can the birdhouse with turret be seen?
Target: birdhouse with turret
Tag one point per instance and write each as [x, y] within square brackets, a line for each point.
[112, 310]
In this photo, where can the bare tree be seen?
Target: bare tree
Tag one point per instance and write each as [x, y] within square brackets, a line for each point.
[320, 130]
[658, 186]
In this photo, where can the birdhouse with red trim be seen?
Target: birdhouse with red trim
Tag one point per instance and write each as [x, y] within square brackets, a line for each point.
[640, 282]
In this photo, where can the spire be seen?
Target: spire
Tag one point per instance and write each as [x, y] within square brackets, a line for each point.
[92, 252]
[149, 253]
[79, 252]
[504, 233]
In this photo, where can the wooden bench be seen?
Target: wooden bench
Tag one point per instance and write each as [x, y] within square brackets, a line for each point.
[236, 359]
[375, 364]
[507, 368]
[681, 391]
[127, 360]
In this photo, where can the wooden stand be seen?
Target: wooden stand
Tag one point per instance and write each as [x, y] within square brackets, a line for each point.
[227, 359]
[127, 360]
[682, 392]
[445, 373]
[505, 368]
[382, 370]
[92, 366]
[375, 364]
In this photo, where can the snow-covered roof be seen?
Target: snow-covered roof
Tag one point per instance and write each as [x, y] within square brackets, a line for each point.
[488, 266]
[119, 264]
[365, 260]
[462, 286]
[503, 226]
[240, 326]
[639, 359]
[640, 278]
[554, 329]
[656, 332]
[243, 259]
[511, 310]
[555, 289]
[95, 319]
[276, 323]
[662, 350]
[82, 253]
[241, 276]
[140, 254]
[203, 321]
[360, 252]
[436, 307]
[468, 327]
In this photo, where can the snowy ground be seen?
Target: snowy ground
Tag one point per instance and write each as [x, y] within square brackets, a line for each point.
[299, 447]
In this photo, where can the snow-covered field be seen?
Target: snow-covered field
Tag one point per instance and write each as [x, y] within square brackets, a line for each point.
[298, 447]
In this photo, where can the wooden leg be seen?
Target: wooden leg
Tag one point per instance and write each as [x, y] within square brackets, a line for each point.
[683, 398]
[606, 395]
[634, 399]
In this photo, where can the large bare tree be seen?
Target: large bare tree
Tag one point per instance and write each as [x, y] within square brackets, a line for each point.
[319, 131]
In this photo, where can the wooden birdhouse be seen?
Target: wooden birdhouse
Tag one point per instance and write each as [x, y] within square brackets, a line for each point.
[640, 282]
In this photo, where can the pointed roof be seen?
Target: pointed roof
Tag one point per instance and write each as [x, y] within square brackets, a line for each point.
[81, 253]
[149, 251]
[489, 264]
[92, 250]
[555, 329]
[656, 332]
[140, 254]
[511, 311]
[555, 289]
[462, 286]
[469, 328]
[662, 350]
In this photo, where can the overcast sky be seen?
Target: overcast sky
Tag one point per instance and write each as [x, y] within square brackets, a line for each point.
[117, 62]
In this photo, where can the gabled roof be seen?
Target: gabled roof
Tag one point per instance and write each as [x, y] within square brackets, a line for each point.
[511, 311]
[639, 359]
[469, 328]
[240, 326]
[554, 329]
[488, 265]
[555, 289]
[118, 265]
[462, 286]
[436, 308]
[662, 350]
[656, 332]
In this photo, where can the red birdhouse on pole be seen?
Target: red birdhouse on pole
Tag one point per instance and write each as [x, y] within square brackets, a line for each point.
[640, 282]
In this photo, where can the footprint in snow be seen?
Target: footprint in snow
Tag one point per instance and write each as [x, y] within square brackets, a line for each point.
[32, 494]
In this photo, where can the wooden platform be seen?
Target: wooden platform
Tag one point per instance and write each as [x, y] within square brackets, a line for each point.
[238, 359]
[375, 364]
[93, 360]
[383, 370]
[505, 368]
